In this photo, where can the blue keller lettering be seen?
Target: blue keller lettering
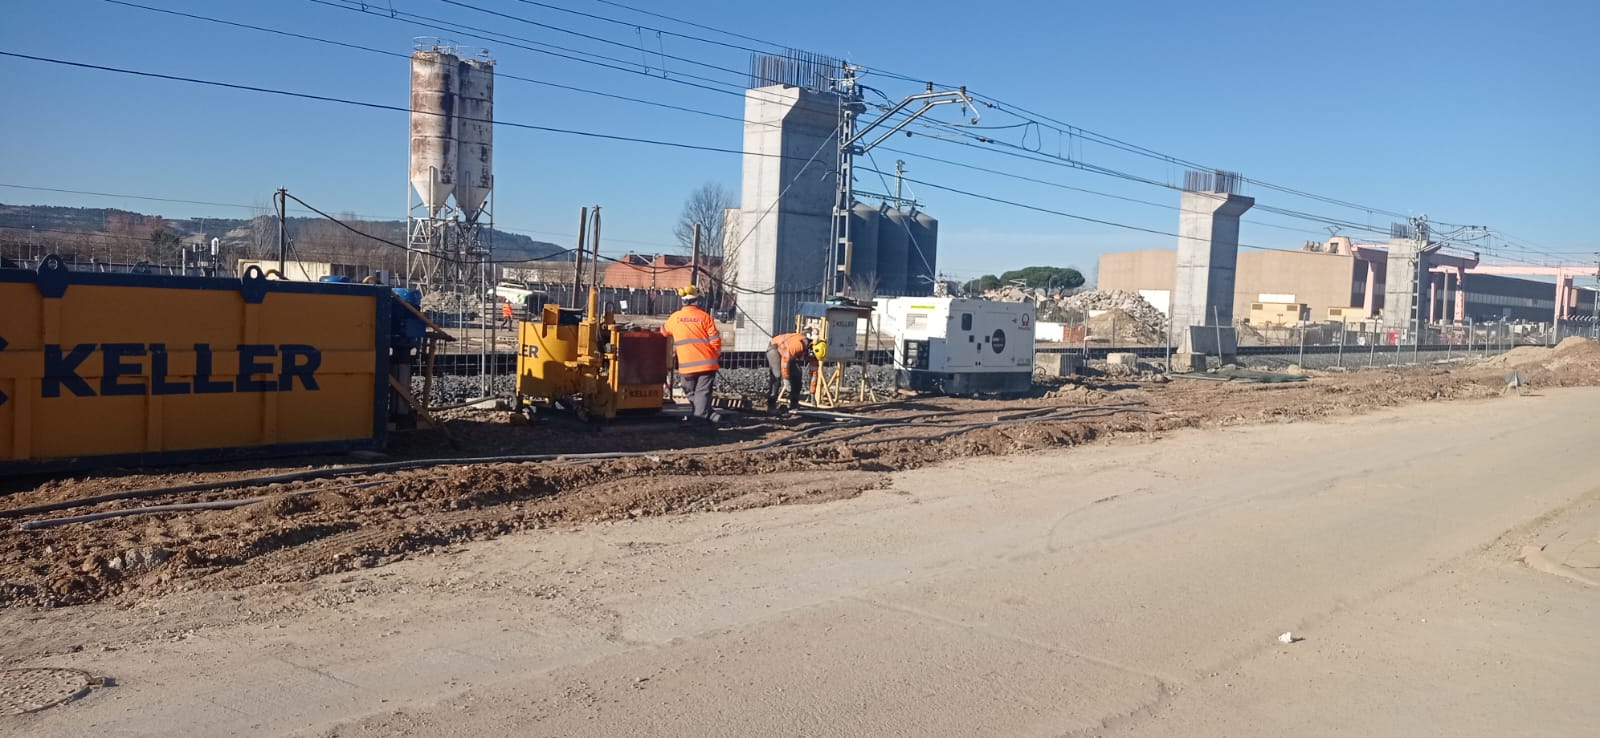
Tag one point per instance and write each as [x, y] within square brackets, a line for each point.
[115, 369]
[121, 372]
[299, 360]
[158, 373]
[251, 364]
[203, 383]
[63, 370]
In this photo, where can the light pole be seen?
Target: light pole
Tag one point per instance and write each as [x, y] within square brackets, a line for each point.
[1594, 301]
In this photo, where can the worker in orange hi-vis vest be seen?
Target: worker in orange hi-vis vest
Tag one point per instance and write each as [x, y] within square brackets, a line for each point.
[787, 358]
[698, 347]
[506, 313]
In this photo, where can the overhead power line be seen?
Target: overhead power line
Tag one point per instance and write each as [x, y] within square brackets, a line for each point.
[589, 36]
[1032, 120]
[379, 106]
[382, 106]
[499, 74]
[1064, 214]
[527, 44]
[402, 247]
[502, 228]
[960, 130]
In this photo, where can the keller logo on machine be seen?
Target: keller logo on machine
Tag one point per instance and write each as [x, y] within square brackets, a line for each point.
[260, 368]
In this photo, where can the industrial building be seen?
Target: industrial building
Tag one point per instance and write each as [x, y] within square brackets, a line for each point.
[657, 271]
[1345, 281]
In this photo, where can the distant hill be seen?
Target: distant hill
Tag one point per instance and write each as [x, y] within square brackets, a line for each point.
[123, 230]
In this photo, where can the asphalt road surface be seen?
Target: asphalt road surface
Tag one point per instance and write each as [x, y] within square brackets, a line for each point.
[1441, 563]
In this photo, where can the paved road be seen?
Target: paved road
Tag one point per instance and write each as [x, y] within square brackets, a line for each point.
[1439, 561]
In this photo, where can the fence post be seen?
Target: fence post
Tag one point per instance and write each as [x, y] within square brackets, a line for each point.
[1372, 355]
[1169, 337]
[1340, 362]
[1302, 360]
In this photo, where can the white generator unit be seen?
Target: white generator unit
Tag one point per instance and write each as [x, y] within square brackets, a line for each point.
[959, 346]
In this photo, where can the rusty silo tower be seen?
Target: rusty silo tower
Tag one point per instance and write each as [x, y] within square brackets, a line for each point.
[431, 175]
[450, 180]
[475, 136]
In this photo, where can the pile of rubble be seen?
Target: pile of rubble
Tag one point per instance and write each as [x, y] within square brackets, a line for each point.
[1132, 312]
[1149, 318]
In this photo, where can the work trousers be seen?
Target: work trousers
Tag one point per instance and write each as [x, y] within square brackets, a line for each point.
[698, 388]
[775, 377]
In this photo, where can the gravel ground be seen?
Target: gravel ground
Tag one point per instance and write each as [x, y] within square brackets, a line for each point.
[752, 382]
[748, 382]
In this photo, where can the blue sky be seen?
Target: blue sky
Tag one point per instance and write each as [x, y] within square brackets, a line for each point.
[1472, 112]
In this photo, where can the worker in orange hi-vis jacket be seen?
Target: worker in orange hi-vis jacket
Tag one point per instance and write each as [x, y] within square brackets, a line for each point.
[698, 347]
[506, 314]
[787, 358]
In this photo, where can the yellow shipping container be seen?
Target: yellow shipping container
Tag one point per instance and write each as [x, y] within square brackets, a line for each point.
[100, 369]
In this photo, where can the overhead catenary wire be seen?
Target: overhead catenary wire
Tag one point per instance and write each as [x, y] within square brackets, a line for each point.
[1016, 151]
[1052, 211]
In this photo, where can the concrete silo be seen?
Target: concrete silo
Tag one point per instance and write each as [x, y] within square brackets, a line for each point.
[922, 263]
[433, 127]
[475, 136]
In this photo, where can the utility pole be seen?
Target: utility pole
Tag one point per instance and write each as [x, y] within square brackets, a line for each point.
[283, 234]
[577, 264]
[837, 278]
[694, 259]
[899, 179]
[1594, 301]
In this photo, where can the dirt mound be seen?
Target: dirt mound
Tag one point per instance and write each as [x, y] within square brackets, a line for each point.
[1573, 362]
[1520, 356]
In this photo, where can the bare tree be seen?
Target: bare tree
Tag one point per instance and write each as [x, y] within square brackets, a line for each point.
[864, 286]
[704, 207]
[263, 236]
